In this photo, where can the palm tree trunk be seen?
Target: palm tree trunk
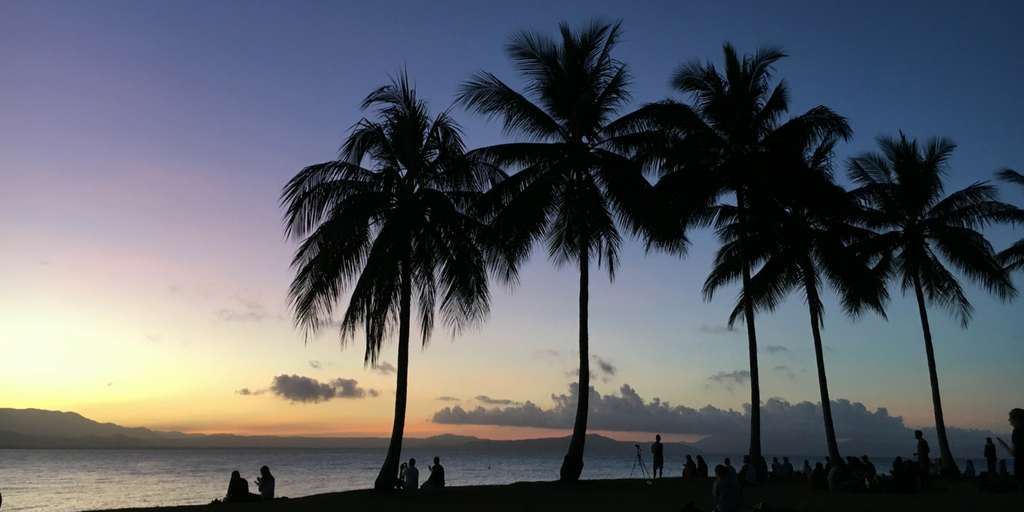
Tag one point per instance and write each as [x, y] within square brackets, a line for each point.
[572, 465]
[748, 313]
[389, 471]
[948, 464]
[819, 356]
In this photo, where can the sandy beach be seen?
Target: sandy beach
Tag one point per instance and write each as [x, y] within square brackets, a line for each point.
[669, 494]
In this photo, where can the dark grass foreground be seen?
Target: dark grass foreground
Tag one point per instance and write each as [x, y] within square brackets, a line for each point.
[668, 495]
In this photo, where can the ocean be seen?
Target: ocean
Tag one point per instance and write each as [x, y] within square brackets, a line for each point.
[76, 480]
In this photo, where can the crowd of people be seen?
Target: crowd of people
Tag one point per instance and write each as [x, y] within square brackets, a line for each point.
[906, 476]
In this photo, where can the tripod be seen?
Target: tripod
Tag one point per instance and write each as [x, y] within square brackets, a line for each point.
[639, 460]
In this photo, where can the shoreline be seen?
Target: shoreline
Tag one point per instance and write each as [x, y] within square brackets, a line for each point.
[668, 494]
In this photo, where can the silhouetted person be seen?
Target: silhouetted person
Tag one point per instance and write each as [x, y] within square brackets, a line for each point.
[990, 457]
[805, 470]
[412, 476]
[869, 468]
[702, 467]
[786, 471]
[923, 461]
[1016, 446]
[969, 469]
[265, 484]
[659, 456]
[818, 478]
[728, 467]
[1002, 469]
[689, 468]
[726, 491]
[238, 489]
[401, 475]
[436, 478]
[747, 474]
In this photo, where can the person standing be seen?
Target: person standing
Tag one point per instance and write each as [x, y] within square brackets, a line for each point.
[990, 457]
[659, 456]
[923, 461]
[1016, 446]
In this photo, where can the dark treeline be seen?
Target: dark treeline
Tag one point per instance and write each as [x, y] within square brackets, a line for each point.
[408, 220]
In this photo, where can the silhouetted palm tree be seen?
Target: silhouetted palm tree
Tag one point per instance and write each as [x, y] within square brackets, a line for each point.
[569, 182]
[902, 186]
[807, 237]
[1013, 256]
[720, 146]
[387, 232]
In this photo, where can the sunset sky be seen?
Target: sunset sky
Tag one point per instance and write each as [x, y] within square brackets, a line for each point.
[144, 270]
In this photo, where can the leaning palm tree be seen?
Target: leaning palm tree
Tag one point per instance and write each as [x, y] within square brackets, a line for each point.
[1013, 256]
[387, 232]
[902, 186]
[570, 183]
[719, 146]
[804, 238]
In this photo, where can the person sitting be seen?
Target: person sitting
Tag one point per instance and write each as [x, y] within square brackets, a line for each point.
[238, 489]
[1001, 471]
[786, 472]
[436, 478]
[776, 468]
[401, 475]
[265, 484]
[689, 468]
[729, 468]
[805, 470]
[726, 491]
[869, 468]
[969, 469]
[747, 473]
[818, 478]
[412, 476]
[702, 467]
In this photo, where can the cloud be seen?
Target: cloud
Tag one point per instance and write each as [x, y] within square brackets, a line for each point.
[777, 349]
[738, 377]
[231, 315]
[604, 366]
[384, 368]
[786, 428]
[110, 384]
[628, 412]
[496, 401]
[715, 329]
[308, 390]
[448, 399]
[545, 352]
[789, 373]
[315, 364]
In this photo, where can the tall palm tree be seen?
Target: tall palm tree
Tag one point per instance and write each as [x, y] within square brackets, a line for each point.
[397, 228]
[1013, 256]
[902, 186]
[719, 145]
[805, 238]
[570, 183]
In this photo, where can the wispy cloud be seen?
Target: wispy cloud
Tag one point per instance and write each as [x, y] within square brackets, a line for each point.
[315, 364]
[484, 399]
[448, 399]
[384, 368]
[776, 349]
[728, 379]
[789, 373]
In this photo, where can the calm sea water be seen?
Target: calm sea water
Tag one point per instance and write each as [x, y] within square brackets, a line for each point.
[75, 480]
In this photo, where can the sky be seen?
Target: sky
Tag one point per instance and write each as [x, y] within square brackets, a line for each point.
[144, 269]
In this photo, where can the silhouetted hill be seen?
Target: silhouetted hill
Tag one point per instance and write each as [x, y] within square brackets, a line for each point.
[41, 429]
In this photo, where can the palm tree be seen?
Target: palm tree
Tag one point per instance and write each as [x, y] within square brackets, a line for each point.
[387, 232]
[719, 146]
[570, 182]
[1013, 256]
[902, 186]
[805, 238]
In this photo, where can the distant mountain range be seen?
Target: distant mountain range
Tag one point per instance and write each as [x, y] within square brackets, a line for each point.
[41, 429]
